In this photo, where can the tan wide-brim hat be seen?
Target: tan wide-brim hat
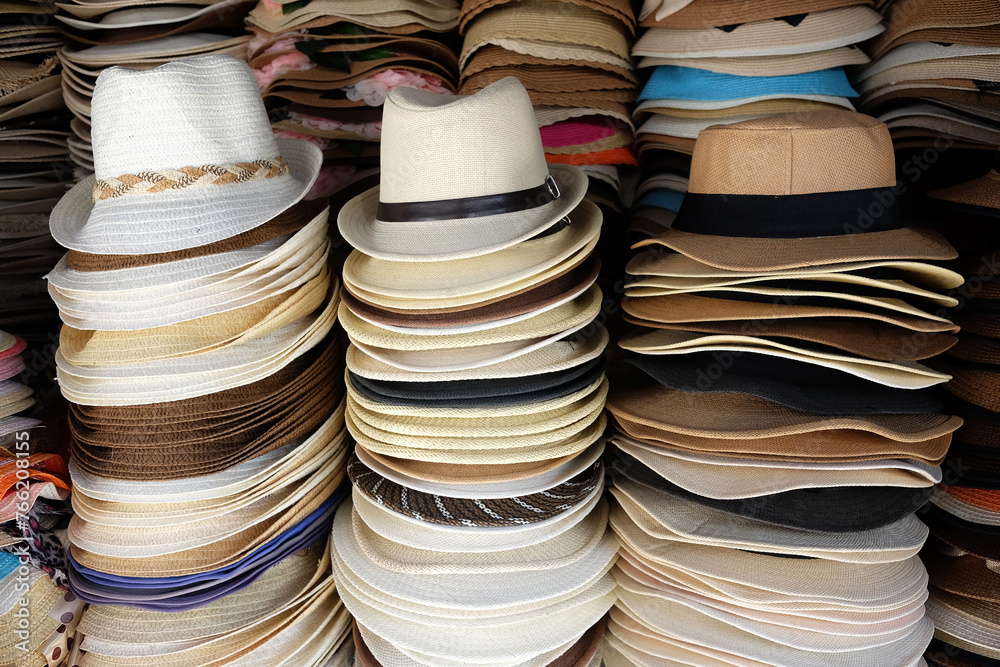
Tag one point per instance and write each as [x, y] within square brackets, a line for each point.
[917, 22]
[820, 139]
[900, 374]
[681, 308]
[739, 416]
[817, 31]
[784, 65]
[874, 340]
[716, 13]
[726, 479]
[681, 267]
[834, 446]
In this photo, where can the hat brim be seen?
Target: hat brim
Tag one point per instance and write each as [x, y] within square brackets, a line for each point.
[181, 219]
[437, 240]
[759, 254]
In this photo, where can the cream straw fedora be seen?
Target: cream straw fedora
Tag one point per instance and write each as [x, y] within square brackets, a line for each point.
[252, 177]
[462, 177]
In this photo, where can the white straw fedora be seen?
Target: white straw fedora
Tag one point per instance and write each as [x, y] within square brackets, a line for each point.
[186, 149]
[461, 177]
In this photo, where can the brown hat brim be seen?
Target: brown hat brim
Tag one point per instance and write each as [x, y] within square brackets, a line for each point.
[764, 254]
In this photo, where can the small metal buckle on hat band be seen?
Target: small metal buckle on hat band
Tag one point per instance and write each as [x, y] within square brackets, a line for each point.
[550, 183]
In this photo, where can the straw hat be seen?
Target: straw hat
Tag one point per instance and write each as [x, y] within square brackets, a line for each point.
[902, 374]
[704, 228]
[739, 416]
[228, 131]
[728, 479]
[980, 196]
[716, 13]
[461, 277]
[459, 213]
[792, 383]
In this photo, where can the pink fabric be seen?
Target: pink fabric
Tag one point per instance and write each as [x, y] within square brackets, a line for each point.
[286, 42]
[364, 130]
[576, 131]
[10, 367]
[375, 88]
[293, 61]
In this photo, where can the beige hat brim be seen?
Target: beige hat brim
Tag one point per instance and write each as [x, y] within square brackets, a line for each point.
[434, 241]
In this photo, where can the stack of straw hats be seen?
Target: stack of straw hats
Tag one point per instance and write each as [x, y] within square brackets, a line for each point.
[573, 58]
[935, 74]
[325, 68]
[200, 358]
[34, 481]
[14, 396]
[478, 531]
[723, 61]
[38, 618]
[139, 34]
[34, 127]
[774, 435]
[964, 514]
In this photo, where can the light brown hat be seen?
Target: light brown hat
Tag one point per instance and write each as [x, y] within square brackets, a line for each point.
[795, 182]
[874, 340]
[688, 307]
[918, 21]
[835, 446]
[740, 416]
[716, 13]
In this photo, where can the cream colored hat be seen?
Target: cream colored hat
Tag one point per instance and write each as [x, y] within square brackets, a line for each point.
[461, 177]
[901, 374]
[250, 177]
[464, 277]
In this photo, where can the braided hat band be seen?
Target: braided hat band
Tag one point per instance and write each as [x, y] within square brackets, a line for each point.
[494, 512]
[189, 177]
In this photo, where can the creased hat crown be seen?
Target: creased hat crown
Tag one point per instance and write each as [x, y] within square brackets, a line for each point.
[438, 147]
[193, 112]
[794, 154]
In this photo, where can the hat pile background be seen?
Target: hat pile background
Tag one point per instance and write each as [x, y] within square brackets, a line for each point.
[478, 531]
[935, 74]
[964, 513]
[774, 434]
[722, 61]
[201, 358]
[34, 481]
[34, 169]
[325, 68]
[138, 34]
[573, 58]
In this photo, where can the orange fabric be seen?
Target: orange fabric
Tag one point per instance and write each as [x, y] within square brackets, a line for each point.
[986, 499]
[612, 156]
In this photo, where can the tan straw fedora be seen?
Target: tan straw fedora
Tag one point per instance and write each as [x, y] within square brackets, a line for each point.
[835, 170]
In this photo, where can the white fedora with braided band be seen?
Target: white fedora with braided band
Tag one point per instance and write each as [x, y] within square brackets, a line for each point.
[462, 176]
[184, 156]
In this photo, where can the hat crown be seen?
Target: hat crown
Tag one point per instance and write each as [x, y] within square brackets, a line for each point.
[437, 147]
[794, 154]
[193, 112]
